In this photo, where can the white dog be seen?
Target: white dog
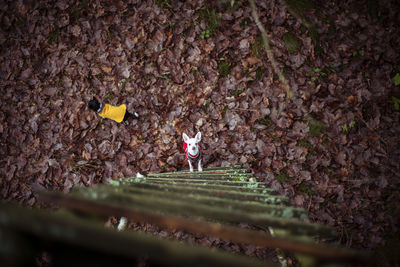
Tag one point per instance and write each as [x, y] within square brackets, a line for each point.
[193, 151]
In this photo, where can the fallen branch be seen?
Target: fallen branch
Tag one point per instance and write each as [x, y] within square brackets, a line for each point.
[267, 48]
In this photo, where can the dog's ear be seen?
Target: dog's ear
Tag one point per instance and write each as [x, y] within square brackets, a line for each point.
[185, 138]
[198, 137]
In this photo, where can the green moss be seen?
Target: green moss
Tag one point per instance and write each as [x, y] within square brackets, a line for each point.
[99, 76]
[283, 177]
[314, 35]
[305, 166]
[396, 80]
[237, 92]
[205, 34]
[75, 12]
[316, 127]
[272, 136]
[59, 83]
[246, 21]
[114, 182]
[164, 4]
[320, 72]
[246, 73]
[253, 185]
[305, 188]
[325, 141]
[223, 68]
[54, 36]
[205, 106]
[223, 111]
[257, 47]
[265, 121]
[239, 179]
[287, 213]
[300, 6]
[109, 96]
[211, 18]
[108, 33]
[259, 72]
[396, 102]
[291, 42]
[304, 143]
[358, 52]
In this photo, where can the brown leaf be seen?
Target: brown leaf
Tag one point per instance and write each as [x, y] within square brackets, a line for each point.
[253, 60]
[298, 200]
[26, 74]
[86, 155]
[106, 69]
[341, 158]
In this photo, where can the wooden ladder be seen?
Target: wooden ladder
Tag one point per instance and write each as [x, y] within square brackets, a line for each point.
[212, 202]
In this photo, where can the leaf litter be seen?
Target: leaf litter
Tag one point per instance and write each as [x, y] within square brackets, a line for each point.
[161, 62]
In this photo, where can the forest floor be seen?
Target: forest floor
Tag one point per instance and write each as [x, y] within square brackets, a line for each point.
[334, 148]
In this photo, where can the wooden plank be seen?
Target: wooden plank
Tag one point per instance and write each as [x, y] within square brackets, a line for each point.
[222, 214]
[203, 181]
[237, 172]
[230, 169]
[239, 205]
[250, 187]
[264, 197]
[230, 177]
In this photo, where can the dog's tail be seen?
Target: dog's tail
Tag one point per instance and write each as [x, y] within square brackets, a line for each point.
[133, 115]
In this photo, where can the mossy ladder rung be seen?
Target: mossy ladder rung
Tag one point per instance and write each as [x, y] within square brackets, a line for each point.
[218, 170]
[226, 213]
[213, 172]
[205, 181]
[263, 196]
[205, 188]
[106, 193]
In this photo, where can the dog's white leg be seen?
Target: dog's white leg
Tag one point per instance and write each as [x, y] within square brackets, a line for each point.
[199, 168]
[190, 166]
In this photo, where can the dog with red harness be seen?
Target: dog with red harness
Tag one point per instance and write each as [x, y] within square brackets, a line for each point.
[193, 151]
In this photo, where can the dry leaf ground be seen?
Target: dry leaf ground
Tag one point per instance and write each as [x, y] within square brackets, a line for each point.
[334, 149]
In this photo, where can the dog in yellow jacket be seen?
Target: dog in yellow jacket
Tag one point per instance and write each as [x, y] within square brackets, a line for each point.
[118, 114]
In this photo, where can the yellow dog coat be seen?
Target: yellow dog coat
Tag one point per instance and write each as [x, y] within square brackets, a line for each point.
[112, 112]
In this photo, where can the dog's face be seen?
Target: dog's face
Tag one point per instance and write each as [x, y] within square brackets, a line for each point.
[94, 104]
[192, 143]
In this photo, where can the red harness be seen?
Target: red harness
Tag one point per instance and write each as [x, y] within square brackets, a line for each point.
[190, 157]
